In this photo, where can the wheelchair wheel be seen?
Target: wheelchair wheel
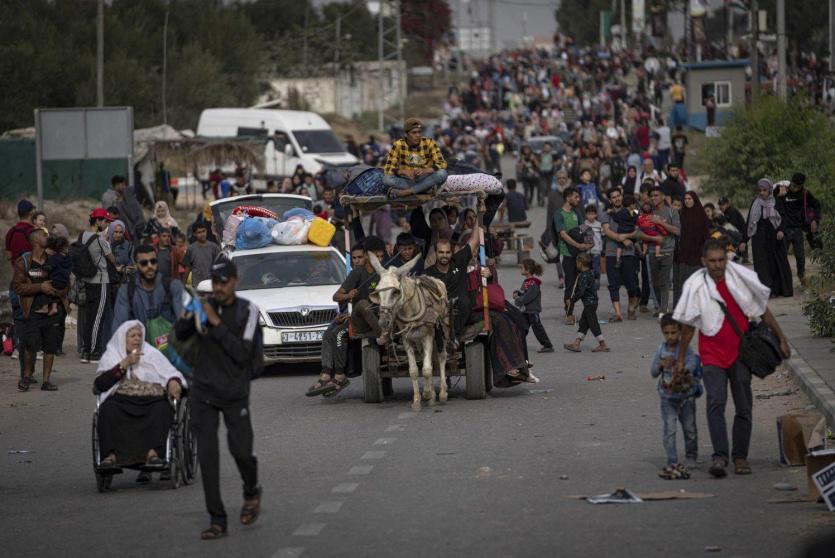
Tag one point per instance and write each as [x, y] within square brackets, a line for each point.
[187, 445]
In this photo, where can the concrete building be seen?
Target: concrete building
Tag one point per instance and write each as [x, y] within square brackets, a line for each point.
[349, 92]
[724, 79]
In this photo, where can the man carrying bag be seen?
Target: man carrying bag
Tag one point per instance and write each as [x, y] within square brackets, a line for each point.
[719, 301]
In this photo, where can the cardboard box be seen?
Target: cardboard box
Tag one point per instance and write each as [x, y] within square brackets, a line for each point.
[796, 436]
[817, 461]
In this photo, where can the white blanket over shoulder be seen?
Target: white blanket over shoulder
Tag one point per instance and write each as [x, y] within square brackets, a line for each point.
[698, 305]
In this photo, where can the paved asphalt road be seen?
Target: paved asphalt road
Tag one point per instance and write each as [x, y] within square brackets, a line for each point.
[470, 478]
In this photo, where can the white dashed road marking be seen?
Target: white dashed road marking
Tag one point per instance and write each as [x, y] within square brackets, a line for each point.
[374, 454]
[309, 529]
[360, 469]
[328, 507]
[288, 552]
[384, 441]
[345, 487]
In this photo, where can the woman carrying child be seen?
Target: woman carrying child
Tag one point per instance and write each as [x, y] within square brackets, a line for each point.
[585, 290]
[529, 300]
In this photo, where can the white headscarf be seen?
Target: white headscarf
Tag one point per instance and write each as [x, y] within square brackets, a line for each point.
[152, 366]
[167, 220]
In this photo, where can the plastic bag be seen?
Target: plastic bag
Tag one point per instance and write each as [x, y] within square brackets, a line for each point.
[291, 232]
[321, 232]
[156, 333]
[253, 233]
[305, 214]
[230, 228]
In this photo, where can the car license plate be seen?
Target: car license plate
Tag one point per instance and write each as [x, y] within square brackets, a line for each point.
[301, 336]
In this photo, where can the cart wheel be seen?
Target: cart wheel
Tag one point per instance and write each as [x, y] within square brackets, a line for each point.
[372, 388]
[188, 464]
[474, 361]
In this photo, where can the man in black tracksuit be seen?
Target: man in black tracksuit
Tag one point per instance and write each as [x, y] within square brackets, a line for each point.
[802, 212]
[226, 363]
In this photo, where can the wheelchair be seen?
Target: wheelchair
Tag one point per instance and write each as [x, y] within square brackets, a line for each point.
[179, 461]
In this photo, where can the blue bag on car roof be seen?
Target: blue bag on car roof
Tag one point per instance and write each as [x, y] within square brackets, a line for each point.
[254, 232]
[305, 214]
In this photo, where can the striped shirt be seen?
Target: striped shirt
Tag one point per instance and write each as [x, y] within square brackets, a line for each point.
[423, 156]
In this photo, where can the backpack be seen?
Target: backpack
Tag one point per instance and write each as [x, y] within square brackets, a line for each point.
[578, 235]
[83, 265]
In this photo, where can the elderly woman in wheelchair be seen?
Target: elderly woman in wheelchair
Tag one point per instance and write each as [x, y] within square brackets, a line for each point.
[134, 384]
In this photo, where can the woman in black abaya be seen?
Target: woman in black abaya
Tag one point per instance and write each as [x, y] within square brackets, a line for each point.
[765, 233]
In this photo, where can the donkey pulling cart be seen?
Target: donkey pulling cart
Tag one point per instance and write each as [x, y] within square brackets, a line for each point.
[444, 354]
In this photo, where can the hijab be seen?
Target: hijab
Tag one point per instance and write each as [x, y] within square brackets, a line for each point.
[167, 221]
[629, 183]
[58, 229]
[695, 228]
[112, 227]
[763, 208]
[152, 366]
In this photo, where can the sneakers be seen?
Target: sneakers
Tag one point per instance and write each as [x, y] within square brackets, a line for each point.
[545, 350]
[742, 467]
[94, 358]
[85, 358]
[718, 468]
[14, 354]
[48, 386]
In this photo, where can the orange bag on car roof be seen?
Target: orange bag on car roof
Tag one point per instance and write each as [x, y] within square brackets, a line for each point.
[321, 232]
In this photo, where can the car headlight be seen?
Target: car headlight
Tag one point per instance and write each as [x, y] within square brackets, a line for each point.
[261, 320]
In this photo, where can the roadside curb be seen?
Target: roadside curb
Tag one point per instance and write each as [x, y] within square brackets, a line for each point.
[818, 391]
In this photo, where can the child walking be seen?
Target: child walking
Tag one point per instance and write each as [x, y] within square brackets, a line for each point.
[585, 290]
[529, 301]
[678, 399]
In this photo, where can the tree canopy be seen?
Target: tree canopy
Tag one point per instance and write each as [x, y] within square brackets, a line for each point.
[218, 53]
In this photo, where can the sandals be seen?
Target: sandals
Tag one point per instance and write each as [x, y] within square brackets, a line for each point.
[572, 347]
[250, 509]
[742, 467]
[601, 349]
[615, 319]
[570, 320]
[23, 385]
[321, 387]
[337, 387]
[674, 472]
[214, 531]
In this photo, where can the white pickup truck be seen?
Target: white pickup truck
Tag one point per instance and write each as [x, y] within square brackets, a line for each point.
[292, 286]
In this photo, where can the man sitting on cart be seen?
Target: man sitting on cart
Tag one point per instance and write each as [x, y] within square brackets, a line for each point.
[414, 164]
[356, 289]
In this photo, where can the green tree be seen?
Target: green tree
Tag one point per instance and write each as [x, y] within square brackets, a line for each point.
[425, 24]
[580, 19]
[772, 139]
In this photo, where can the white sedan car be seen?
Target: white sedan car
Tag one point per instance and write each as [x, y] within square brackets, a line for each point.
[292, 286]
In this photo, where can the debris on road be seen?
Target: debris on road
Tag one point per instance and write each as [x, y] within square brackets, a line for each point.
[653, 496]
[619, 496]
[563, 477]
[595, 378]
[713, 549]
[776, 394]
[13, 452]
[784, 486]
[539, 391]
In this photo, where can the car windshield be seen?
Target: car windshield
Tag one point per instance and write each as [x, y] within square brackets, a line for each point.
[318, 141]
[270, 270]
[278, 205]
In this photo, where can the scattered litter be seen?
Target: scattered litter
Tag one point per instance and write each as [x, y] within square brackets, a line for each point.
[784, 486]
[789, 500]
[776, 394]
[438, 411]
[619, 372]
[657, 496]
[484, 472]
[595, 378]
[713, 549]
[12, 452]
[563, 477]
[619, 496]
[603, 321]
[539, 391]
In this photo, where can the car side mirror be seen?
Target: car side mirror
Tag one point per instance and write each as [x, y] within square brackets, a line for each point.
[205, 286]
[288, 150]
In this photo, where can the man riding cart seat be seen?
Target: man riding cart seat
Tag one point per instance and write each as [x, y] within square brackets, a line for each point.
[414, 164]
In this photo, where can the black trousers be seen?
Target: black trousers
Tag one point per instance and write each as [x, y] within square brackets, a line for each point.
[588, 321]
[539, 332]
[646, 287]
[794, 238]
[335, 348]
[205, 417]
[97, 312]
[716, 382]
[569, 266]
[624, 276]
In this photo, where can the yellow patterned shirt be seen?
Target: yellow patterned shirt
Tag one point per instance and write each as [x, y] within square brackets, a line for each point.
[425, 155]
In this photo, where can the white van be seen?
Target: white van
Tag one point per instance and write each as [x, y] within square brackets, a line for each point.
[291, 137]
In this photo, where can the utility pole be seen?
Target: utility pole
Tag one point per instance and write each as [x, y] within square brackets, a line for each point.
[754, 18]
[398, 38]
[623, 32]
[382, 58]
[782, 91]
[165, 65]
[100, 55]
[336, 64]
[304, 39]
[729, 39]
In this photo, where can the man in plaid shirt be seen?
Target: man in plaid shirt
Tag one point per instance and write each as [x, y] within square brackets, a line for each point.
[414, 164]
